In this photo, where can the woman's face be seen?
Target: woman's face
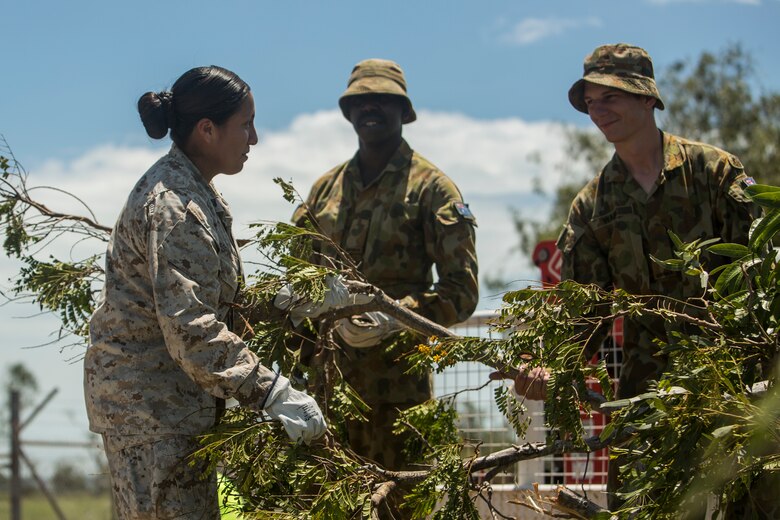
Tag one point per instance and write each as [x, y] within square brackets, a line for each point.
[234, 137]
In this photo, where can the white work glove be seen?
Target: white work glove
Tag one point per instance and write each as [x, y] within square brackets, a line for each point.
[367, 329]
[299, 413]
[336, 296]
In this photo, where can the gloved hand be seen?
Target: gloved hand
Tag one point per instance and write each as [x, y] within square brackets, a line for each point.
[367, 329]
[299, 413]
[336, 295]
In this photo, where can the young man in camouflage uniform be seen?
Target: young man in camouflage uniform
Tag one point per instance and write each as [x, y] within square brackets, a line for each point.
[655, 182]
[396, 215]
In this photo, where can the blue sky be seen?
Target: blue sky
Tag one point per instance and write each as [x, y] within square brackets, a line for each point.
[73, 70]
[488, 80]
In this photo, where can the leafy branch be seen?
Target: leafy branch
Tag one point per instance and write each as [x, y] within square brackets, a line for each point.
[697, 440]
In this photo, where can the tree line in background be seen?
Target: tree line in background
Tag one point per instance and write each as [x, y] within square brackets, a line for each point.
[709, 428]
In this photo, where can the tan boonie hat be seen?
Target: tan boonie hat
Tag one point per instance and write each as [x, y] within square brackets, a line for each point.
[375, 76]
[621, 66]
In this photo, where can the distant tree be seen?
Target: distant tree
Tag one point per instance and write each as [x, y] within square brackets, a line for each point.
[718, 99]
[68, 478]
[17, 377]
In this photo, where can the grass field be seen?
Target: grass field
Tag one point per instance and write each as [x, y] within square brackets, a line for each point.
[77, 506]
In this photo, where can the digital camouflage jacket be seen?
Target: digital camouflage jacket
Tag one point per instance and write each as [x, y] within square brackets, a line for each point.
[161, 355]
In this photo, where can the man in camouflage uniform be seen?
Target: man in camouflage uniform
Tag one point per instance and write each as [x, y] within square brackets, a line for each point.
[396, 215]
[656, 182]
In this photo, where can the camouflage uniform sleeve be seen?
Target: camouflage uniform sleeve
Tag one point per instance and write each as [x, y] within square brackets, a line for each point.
[185, 271]
[450, 243]
[734, 211]
[583, 259]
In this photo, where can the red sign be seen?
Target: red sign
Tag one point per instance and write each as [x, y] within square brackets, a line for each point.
[548, 259]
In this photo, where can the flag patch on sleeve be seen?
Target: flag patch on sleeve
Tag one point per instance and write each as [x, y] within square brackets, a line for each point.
[464, 211]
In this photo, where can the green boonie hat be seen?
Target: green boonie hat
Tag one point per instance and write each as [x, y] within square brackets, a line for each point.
[375, 76]
[621, 66]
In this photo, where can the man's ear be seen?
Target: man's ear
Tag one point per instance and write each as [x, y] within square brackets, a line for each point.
[650, 102]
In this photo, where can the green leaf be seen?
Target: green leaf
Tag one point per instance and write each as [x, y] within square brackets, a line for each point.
[767, 199]
[759, 189]
[709, 241]
[678, 244]
[766, 228]
[730, 250]
[725, 282]
[674, 264]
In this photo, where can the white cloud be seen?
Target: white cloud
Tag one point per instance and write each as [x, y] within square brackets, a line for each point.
[530, 30]
[493, 162]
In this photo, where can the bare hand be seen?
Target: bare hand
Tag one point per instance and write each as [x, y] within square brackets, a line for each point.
[529, 383]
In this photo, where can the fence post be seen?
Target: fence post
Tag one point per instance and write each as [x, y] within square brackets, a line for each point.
[16, 478]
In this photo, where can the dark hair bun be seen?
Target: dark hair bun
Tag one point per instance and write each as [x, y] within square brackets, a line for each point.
[212, 93]
[156, 109]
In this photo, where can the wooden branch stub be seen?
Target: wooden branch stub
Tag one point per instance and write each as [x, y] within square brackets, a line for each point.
[569, 501]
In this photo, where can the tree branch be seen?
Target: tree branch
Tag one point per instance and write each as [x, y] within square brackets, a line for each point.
[44, 210]
[570, 502]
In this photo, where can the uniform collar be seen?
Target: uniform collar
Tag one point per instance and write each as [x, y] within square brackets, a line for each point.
[178, 154]
[617, 172]
[400, 160]
[673, 152]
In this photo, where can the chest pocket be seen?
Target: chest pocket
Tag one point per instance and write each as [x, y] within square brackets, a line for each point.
[395, 231]
[229, 262]
[229, 274]
[619, 234]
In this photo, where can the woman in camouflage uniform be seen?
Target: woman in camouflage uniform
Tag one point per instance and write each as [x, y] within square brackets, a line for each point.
[162, 358]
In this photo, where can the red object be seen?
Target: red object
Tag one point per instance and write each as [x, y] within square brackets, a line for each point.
[547, 257]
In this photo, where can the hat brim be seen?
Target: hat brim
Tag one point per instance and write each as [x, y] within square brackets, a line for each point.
[377, 85]
[642, 87]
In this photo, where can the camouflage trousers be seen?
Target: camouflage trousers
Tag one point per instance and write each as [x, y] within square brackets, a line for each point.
[151, 479]
[380, 376]
[375, 440]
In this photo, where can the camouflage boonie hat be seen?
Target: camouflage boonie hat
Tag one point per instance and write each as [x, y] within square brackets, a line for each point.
[375, 76]
[621, 66]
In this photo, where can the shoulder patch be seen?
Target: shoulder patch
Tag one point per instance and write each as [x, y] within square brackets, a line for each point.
[464, 211]
[734, 161]
[737, 189]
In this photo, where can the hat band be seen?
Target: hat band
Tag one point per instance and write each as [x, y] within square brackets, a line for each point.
[378, 73]
[616, 71]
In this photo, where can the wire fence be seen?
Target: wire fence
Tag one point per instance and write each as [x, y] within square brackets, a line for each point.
[480, 419]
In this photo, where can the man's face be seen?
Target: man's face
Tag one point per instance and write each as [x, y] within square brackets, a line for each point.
[376, 117]
[618, 114]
